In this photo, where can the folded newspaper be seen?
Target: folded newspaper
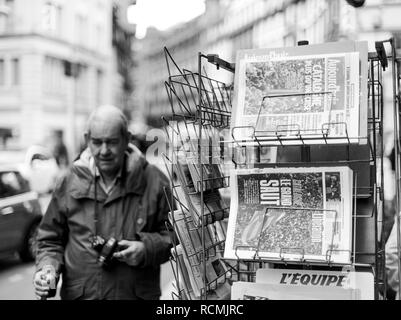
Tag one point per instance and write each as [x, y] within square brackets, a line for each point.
[298, 214]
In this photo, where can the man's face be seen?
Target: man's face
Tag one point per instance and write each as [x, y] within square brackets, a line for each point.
[107, 146]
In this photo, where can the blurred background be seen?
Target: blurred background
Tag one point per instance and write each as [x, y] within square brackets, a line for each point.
[60, 59]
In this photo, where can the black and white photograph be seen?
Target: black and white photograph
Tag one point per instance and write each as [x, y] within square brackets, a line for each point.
[199, 150]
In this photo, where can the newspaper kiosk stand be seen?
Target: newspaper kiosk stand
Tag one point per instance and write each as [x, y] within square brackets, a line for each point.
[201, 111]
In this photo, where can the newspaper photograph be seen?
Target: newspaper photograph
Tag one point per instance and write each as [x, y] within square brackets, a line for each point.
[291, 213]
[282, 95]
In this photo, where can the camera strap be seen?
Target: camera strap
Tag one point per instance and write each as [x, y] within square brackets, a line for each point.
[96, 208]
[120, 227]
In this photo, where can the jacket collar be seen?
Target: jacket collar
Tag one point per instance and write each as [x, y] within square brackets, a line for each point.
[133, 176]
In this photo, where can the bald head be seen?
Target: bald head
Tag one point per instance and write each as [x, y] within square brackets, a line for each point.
[108, 114]
[107, 137]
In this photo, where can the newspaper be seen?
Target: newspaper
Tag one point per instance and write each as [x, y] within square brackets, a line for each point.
[191, 247]
[183, 280]
[317, 281]
[209, 161]
[291, 213]
[193, 252]
[294, 93]
[186, 175]
[214, 207]
[191, 147]
[263, 291]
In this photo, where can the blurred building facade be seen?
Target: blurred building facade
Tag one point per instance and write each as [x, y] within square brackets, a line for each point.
[56, 65]
[183, 42]
[122, 39]
[227, 26]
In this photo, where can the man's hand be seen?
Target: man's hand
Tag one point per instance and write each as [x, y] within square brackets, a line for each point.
[42, 281]
[132, 254]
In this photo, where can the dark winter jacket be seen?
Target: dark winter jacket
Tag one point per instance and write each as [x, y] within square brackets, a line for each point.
[135, 209]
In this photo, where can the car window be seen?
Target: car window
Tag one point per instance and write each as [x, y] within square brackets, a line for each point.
[11, 184]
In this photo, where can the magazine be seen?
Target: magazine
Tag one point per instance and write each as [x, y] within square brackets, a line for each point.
[190, 240]
[210, 162]
[317, 281]
[190, 246]
[190, 146]
[301, 95]
[183, 280]
[291, 214]
[212, 175]
[214, 207]
[262, 291]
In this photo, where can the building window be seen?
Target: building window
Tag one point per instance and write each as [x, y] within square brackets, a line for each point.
[81, 29]
[82, 84]
[52, 15]
[99, 37]
[53, 80]
[2, 73]
[6, 16]
[15, 72]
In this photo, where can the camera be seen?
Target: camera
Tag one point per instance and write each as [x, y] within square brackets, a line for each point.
[106, 249]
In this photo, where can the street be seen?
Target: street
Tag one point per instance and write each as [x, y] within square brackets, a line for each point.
[16, 280]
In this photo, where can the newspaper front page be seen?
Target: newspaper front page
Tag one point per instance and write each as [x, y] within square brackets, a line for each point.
[317, 282]
[291, 213]
[280, 94]
[263, 291]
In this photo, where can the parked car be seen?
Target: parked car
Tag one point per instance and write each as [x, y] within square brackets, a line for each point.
[20, 214]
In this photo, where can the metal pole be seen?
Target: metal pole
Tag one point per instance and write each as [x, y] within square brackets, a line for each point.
[396, 158]
[372, 71]
[199, 111]
[381, 126]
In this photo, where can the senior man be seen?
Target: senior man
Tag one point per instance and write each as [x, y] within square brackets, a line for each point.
[111, 192]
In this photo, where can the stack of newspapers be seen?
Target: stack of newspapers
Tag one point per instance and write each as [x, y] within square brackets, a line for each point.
[199, 269]
[187, 166]
[306, 95]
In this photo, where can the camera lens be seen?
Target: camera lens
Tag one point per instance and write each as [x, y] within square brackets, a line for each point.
[107, 251]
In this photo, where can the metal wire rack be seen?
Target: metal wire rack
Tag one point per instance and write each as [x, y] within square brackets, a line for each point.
[201, 109]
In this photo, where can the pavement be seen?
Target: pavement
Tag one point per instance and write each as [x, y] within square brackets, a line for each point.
[16, 279]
